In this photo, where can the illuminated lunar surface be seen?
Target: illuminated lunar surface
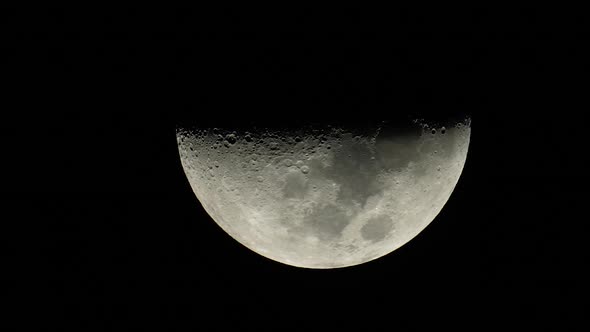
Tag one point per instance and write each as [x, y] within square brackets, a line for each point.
[324, 197]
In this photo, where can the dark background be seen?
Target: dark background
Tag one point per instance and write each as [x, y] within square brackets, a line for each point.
[104, 231]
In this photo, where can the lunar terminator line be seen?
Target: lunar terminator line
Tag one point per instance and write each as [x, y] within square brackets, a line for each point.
[324, 197]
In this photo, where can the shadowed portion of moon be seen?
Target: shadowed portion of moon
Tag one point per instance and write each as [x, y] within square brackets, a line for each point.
[324, 197]
[354, 168]
[403, 141]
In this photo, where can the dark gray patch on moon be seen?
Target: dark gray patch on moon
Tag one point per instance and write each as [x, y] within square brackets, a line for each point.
[295, 186]
[419, 171]
[377, 228]
[354, 170]
[396, 147]
[328, 220]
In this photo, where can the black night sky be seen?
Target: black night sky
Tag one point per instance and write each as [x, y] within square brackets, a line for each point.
[103, 229]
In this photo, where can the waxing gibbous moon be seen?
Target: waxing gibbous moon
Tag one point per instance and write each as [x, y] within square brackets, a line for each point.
[324, 197]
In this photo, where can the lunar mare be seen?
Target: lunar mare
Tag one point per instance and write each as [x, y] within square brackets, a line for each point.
[324, 197]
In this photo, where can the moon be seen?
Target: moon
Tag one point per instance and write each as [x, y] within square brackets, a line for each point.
[324, 197]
